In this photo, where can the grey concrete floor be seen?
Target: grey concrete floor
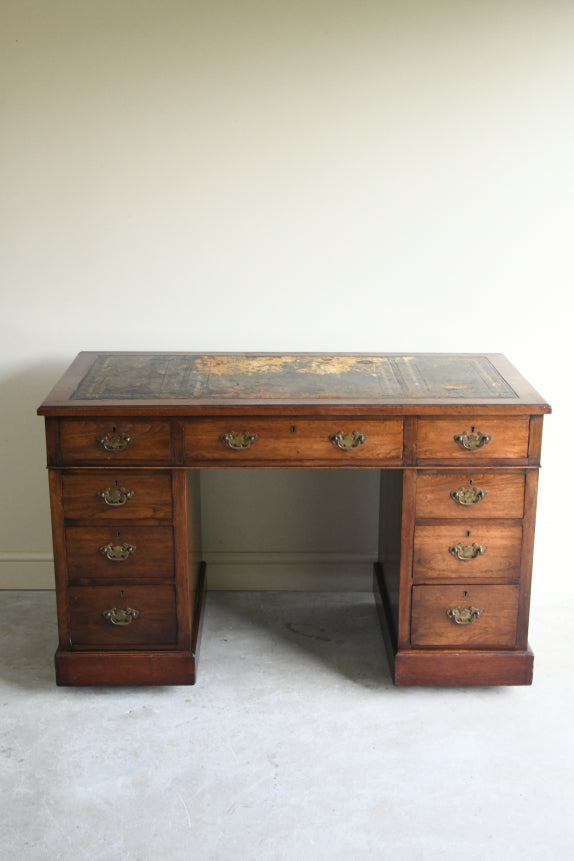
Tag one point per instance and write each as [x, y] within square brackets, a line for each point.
[292, 745]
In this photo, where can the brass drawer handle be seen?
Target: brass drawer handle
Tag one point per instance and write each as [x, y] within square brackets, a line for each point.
[468, 495]
[463, 616]
[239, 441]
[115, 442]
[464, 552]
[348, 441]
[120, 617]
[117, 552]
[471, 441]
[115, 496]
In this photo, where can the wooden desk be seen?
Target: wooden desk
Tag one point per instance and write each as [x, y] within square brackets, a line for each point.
[456, 439]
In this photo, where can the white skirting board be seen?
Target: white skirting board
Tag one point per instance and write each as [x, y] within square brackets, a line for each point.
[338, 572]
[322, 572]
[26, 571]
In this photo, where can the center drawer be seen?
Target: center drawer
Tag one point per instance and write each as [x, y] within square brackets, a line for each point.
[254, 440]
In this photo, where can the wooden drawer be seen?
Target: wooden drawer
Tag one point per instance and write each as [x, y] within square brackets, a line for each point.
[122, 553]
[294, 440]
[134, 495]
[466, 495]
[493, 552]
[115, 441]
[508, 438]
[495, 627]
[155, 622]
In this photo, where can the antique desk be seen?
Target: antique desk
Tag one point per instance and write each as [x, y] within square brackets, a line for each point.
[456, 439]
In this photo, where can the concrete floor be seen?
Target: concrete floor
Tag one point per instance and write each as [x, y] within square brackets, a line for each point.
[292, 745]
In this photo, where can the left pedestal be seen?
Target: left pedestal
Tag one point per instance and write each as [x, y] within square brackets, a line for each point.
[129, 581]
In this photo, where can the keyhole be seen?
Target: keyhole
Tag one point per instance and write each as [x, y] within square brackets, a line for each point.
[465, 594]
[467, 534]
[293, 429]
[113, 428]
[469, 481]
[122, 593]
[472, 429]
[118, 534]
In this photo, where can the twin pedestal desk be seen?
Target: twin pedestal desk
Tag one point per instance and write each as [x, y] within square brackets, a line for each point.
[456, 439]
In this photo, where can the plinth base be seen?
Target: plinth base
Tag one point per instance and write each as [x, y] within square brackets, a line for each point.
[137, 666]
[448, 667]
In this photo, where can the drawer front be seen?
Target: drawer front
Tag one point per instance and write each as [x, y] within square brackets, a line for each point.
[466, 495]
[115, 441]
[456, 552]
[493, 613]
[486, 438]
[294, 440]
[119, 553]
[113, 495]
[153, 607]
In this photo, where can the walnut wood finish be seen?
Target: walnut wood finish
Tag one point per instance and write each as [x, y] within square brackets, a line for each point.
[151, 500]
[144, 666]
[495, 627]
[162, 520]
[465, 668]
[508, 439]
[433, 561]
[150, 441]
[176, 407]
[155, 625]
[152, 558]
[504, 494]
[294, 440]
[126, 668]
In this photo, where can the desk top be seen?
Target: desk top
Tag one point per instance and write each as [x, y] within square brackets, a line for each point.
[213, 383]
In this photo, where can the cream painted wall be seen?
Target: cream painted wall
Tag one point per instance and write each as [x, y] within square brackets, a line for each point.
[282, 176]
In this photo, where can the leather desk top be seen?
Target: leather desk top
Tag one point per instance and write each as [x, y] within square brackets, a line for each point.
[313, 383]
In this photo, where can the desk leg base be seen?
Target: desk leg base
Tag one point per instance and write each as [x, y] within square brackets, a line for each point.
[125, 668]
[447, 667]
[137, 667]
[463, 668]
